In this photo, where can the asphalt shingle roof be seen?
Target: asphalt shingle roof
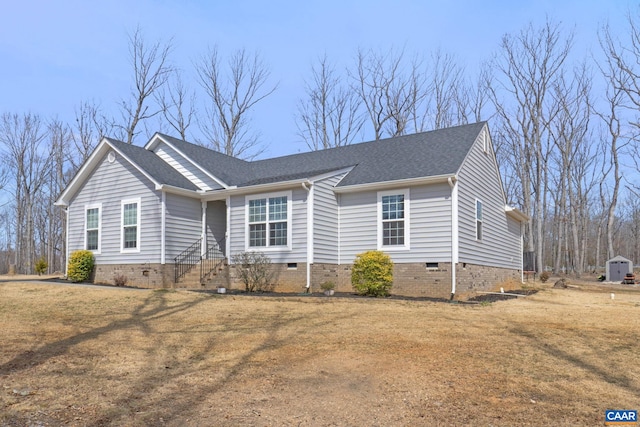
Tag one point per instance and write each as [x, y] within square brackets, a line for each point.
[433, 153]
[153, 165]
[229, 169]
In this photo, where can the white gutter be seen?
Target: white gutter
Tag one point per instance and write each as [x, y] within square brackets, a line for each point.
[393, 184]
[260, 188]
[310, 194]
[178, 190]
[454, 232]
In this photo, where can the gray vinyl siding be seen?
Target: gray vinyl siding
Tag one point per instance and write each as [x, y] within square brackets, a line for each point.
[183, 224]
[429, 225]
[186, 168]
[479, 179]
[216, 223]
[325, 218]
[109, 184]
[238, 229]
[358, 224]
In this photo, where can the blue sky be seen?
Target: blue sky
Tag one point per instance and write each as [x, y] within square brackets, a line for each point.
[53, 55]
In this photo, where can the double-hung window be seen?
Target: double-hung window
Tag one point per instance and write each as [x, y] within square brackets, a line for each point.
[269, 221]
[92, 227]
[478, 220]
[130, 235]
[393, 213]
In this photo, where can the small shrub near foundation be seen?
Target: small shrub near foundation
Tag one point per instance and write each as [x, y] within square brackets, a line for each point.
[328, 286]
[372, 274]
[254, 269]
[80, 266]
[120, 280]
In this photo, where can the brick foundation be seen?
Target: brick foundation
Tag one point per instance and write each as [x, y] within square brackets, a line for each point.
[286, 278]
[412, 279]
[140, 275]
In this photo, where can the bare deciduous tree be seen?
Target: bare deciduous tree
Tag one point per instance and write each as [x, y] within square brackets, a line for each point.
[232, 92]
[387, 91]
[329, 116]
[27, 157]
[178, 105]
[527, 67]
[151, 71]
[90, 127]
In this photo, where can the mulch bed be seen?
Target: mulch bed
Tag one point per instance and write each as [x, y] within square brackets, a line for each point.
[502, 297]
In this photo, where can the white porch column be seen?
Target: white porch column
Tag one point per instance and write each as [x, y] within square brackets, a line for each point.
[203, 247]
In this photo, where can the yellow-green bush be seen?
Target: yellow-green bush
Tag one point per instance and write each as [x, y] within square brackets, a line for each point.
[80, 266]
[372, 274]
[41, 266]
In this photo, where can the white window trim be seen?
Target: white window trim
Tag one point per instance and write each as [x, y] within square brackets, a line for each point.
[475, 221]
[407, 228]
[86, 208]
[138, 217]
[268, 248]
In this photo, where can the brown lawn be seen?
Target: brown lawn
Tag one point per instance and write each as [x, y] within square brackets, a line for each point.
[91, 357]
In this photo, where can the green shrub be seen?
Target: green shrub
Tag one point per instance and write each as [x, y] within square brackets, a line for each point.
[544, 276]
[254, 269]
[372, 273]
[328, 286]
[41, 266]
[80, 266]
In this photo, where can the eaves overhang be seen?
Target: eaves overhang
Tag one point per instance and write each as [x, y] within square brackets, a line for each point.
[251, 189]
[516, 214]
[407, 182]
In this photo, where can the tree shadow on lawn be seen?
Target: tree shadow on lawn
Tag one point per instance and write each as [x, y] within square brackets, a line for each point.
[617, 379]
[153, 307]
[146, 404]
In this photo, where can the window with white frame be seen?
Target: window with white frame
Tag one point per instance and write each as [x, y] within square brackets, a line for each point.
[92, 227]
[268, 220]
[478, 220]
[130, 236]
[393, 211]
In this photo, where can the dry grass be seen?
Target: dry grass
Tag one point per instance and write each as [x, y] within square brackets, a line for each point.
[81, 356]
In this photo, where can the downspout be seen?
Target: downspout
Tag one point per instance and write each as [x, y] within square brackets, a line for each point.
[310, 193]
[66, 238]
[163, 228]
[454, 232]
[521, 252]
[227, 239]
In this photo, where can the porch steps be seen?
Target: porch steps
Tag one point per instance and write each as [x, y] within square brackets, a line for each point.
[216, 277]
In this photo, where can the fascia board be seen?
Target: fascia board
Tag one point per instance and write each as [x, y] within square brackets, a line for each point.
[393, 184]
[187, 158]
[516, 214]
[260, 188]
[83, 173]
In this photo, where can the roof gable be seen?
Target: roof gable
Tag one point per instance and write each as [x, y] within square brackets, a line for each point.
[150, 165]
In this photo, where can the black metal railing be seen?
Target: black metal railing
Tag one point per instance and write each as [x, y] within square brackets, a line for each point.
[212, 258]
[187, 259]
